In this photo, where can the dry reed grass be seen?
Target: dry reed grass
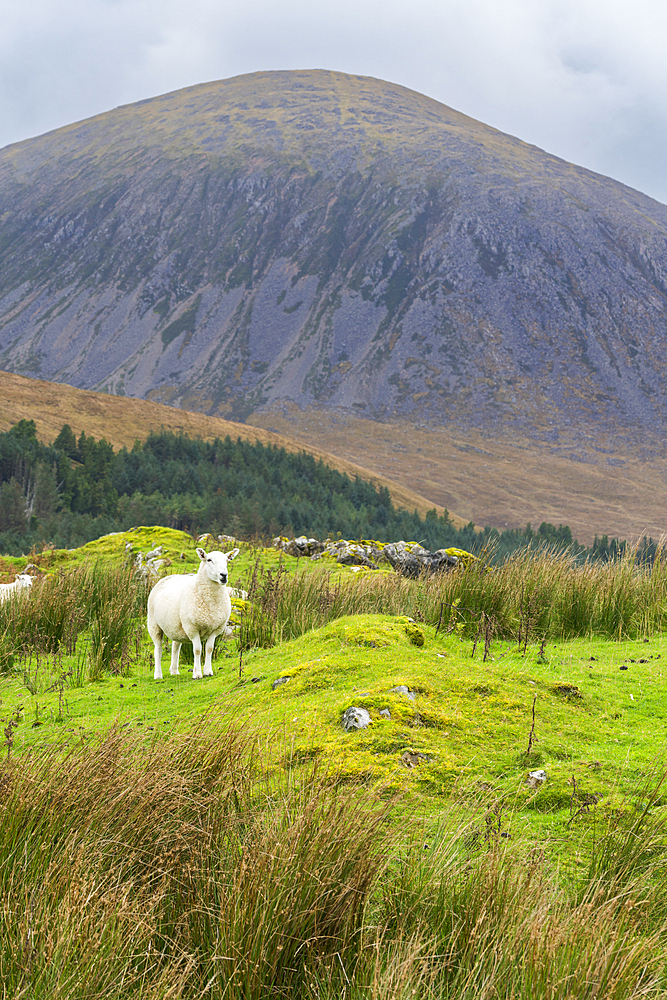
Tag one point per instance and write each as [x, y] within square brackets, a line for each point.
[531, 596]
[172, 869]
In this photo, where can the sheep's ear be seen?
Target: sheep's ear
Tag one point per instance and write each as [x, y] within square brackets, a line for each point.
[233, 554]
[201, 553]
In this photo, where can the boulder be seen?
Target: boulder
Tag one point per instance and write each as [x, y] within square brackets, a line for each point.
[353, 553]
[413, 559]
[402, 689]
[300, 546]
[355, 718]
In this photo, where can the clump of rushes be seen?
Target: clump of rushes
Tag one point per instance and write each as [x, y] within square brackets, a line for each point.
[106, 600]
[115, 607]
[500, 925]
[173, 869]
[283, 606]
[168, 869]
[543, 594]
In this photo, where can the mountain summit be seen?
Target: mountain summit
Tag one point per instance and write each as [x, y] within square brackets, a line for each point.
[333, 241]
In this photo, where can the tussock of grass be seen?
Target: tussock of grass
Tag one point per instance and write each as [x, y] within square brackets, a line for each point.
[126, 866]
[106, 602]
[532, 595]
[171, 869]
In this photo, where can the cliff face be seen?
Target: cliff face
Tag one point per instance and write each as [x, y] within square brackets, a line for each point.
[336, 241]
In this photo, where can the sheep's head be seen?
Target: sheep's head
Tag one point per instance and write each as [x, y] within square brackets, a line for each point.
[214, 564]
[23, 580]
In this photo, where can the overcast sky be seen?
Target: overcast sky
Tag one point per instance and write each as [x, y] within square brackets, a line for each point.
[584, 79]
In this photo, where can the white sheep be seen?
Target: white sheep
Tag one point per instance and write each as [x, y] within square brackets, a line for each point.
[192, 607]
[7, 590]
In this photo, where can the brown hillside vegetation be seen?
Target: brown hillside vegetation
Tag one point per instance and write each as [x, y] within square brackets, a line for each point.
[122, 420]
[605, 487]
[495, 480]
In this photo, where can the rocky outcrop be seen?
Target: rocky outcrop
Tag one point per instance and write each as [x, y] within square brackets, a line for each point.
[147, 565]
[414, 559]
[334, 241]
[300, 547]
[407, 558]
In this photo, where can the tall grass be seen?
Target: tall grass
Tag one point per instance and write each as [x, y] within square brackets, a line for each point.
[532, 595]
[104, 603]
[163, 870]
[173, 869]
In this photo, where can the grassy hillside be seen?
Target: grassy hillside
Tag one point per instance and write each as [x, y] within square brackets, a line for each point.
[598, 486]
[122, 420]
[476, 649]
[228, 837]
[600, 489]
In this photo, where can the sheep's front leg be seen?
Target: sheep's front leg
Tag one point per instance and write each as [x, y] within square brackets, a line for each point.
[196, 648]
[175, 653]
[208, 666]
[157, 674]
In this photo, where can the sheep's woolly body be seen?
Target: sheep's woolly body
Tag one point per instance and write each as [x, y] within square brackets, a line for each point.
[191, 608]
[21, 582]
[181, 608]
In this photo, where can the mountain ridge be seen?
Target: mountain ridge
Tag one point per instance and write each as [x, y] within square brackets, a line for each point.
[337, 241]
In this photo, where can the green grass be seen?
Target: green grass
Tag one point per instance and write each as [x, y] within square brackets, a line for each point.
[186, 838]
[471, 720]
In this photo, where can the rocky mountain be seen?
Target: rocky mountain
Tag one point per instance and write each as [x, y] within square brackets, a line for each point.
[336, 242]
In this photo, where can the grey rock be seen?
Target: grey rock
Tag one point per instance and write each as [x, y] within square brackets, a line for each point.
[279, 681]
[414, 560]
[355, 718]
[227, 539]
[408, 559]
[301, 546]
[402, 689]
[353, 553]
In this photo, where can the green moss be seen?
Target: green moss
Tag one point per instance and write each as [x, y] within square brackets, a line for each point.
[414, 633]
[374, 632]
[464, 557]
[143, 539]
[185, 323]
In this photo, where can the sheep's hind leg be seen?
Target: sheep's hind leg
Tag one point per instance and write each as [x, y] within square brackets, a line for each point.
[175, 653]
[157, 641]
[196, 648]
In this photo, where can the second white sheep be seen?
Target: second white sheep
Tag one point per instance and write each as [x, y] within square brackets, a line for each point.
[191, 607]
[7, 590]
